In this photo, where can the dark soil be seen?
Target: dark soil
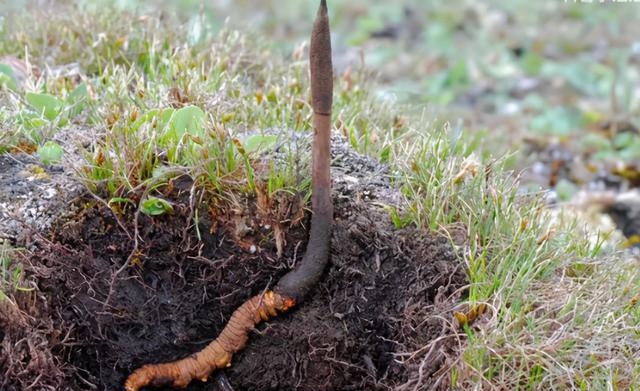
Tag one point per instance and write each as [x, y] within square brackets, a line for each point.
[105, 306]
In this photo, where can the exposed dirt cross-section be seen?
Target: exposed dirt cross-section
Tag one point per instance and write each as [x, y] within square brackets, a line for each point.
[384, 294]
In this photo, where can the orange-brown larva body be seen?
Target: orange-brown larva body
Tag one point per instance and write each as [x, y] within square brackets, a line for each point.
[217, 354]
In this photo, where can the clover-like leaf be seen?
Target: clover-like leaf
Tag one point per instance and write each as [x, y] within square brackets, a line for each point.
[46, 104]
[50, 152]
[154, 206]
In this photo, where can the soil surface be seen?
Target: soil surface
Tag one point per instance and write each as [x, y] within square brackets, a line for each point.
[103, 303]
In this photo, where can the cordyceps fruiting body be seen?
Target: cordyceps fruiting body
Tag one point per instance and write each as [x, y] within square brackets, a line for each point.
[294, 285]
[298, 283]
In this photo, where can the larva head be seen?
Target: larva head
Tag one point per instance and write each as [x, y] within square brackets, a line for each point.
[277, 301]
[287, 303]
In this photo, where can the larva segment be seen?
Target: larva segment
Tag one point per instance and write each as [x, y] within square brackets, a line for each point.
[217, 354]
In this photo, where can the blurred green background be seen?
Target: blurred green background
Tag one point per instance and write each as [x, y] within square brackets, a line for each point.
[557, 80]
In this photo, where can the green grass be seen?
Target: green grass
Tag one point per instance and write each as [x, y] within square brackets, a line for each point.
[12, 276]
[158, 98]
[561, 314]
[161, 106]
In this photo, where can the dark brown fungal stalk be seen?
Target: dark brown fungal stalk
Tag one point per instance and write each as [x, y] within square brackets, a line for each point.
[296, 284]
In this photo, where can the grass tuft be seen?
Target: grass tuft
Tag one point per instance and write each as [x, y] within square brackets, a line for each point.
[562, 308]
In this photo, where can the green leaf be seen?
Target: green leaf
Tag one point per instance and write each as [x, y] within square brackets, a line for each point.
[50, 152]
[565, 190]
[624, 140]
[631, 151]
[592, 117]
[7, 78]
[30, 120]
[531, 63]
[45, 104]
[154, 206]
[458, 75]
[353, 138]
[188, 119]
[589, 78]
[439, 36]
[259, 143]
[76, 100]
[559, 121]
[163, 116]
[595, 142]
[384, 154]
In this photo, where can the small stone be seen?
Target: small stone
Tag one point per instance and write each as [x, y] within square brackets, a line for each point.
[49, 193]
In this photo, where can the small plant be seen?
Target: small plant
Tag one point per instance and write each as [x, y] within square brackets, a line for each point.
[45, 106]
[50, 152]
[44, 109]
[7, 78]
[11, 274]
[154, 206]
[33, 122]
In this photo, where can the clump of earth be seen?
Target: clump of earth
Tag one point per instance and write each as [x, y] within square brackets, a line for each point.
[97, 303]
